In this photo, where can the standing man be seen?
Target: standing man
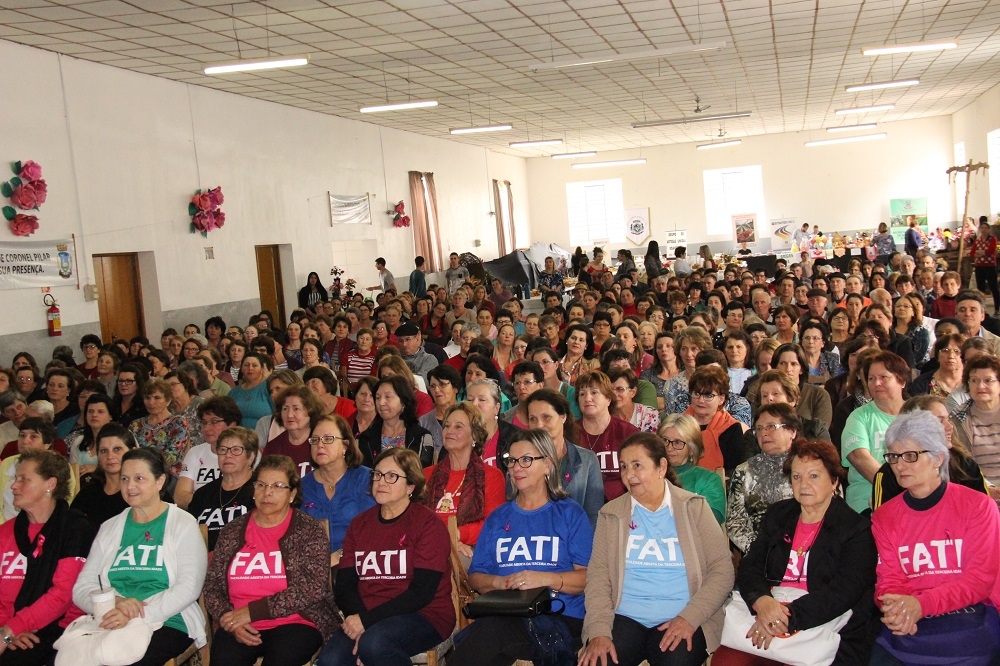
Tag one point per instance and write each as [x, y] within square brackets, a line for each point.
[385, 278]
[418, 281]
[456, 275]
[801, 236]
[681, 265]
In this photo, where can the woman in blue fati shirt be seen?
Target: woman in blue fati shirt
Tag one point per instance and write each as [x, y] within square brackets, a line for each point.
[540, 538]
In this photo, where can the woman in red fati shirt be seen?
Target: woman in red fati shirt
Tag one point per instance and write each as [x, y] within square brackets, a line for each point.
[42, 551]
[984, 257]
[394, 582]
[600, 431]
[937, 574]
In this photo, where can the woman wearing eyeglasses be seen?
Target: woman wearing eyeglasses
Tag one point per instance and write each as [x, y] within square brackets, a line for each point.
[682, 437]
[230, 496]
[721, 433]
[337, 488]
[938, 557]
[540, 538]
[394, 583]
[266, 586]
[977, 420]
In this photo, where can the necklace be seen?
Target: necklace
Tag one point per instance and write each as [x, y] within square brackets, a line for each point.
[329, 486]
[224, 502]
[802, 549]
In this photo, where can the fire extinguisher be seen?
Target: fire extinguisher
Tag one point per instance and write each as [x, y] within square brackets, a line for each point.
[53, 317]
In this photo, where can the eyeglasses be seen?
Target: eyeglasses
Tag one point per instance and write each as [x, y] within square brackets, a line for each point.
[907, 456]
[707, 397]
[675, 444]
[126, 382]
[524, 461]
[264, 487]
[388, 477]
[951, 351]
[770, 427]
[208, 423]
[988, 381]
[235, 450]
[525, 382]
[326, 440]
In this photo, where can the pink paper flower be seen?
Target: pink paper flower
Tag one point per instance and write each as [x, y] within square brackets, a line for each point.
[25, 197]
[41, 190]
[202, 221]
[30, 171]
[216, 196]
[202, 201]
[24, 225]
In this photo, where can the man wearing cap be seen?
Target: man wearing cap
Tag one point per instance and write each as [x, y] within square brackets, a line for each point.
[816, 300]
[411, 346]
[838, 290]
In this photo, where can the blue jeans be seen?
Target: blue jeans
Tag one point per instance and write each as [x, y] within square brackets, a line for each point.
[390, 642]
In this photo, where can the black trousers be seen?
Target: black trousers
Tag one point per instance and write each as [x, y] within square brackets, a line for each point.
[166, 644]
[500, 641]
[287, 645]
[37, 656]
[986, 281]
[634, 644]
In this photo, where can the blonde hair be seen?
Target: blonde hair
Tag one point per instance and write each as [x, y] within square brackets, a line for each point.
[689, 430]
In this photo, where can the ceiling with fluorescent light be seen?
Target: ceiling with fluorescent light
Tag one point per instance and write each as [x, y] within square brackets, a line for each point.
[787, 61]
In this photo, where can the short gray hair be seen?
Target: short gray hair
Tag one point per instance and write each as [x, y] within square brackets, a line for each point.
[474, 328]
[923, 429]
[8, 398]
[488, 383]
[43, 408]
[543, 443]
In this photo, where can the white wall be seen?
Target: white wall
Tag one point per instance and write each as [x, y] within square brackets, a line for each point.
[841, 187]
[123, 152]
[971, 125]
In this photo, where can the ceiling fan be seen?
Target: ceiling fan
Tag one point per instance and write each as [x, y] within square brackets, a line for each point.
[698, 108]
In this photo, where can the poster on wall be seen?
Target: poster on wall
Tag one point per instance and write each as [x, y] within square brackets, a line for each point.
[28, 264]
[673, 239]
[781, 233]
[350, 209]
[901, 211]
[745, 228]
[637, 225]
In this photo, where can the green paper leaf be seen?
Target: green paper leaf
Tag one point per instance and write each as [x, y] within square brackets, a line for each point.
[16, 168]
[192, 210]
[9, 213]
[16, 182]
[6, 189]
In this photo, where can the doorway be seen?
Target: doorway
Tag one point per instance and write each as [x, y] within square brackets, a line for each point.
[120, 296]
[272, 297]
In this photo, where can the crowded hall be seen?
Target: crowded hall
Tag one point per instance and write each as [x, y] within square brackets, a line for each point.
[495, 332]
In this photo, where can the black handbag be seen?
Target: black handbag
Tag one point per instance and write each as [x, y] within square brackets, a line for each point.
[513, 603]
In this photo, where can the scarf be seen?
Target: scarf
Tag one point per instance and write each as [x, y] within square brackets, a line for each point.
[710, 434]
[471, 506]
[59, 538]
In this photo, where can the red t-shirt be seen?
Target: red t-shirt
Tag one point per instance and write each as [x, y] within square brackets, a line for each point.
[384, 554]
[10, 449]
[300, 454]
[346, 408]
[425, 404]
[496, 494]
[257, 570]
[605, 446]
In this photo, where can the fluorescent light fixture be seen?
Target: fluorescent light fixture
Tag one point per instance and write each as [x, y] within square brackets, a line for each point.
[852, 128]
[481, 128]
[530, 144]
[423, 104]
[846, 139]
[720, 144]
[882, 86]
[866, 109]
[920, 47]
[691, 119]
[256, 65]
[625, 57]
[573, 156]
[613, 163]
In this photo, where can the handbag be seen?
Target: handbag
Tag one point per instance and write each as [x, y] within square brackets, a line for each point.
[968, 636]
[84, 643]
[809, 647]
[513, 603]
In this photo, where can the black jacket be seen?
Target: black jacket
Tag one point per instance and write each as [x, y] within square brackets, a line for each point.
[841, 574]
[418, 440]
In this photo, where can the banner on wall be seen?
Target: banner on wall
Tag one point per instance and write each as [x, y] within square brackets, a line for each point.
[350, 209]
[673, 239]
[745, 228]
[781, 233]
[900, 212]
[637, 225]
[27, 264]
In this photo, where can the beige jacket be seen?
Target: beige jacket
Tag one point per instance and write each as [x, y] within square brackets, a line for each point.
[706, 556]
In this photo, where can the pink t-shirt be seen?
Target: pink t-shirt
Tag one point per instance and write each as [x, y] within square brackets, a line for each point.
[258, 570]
[798, 558]
[490, 450]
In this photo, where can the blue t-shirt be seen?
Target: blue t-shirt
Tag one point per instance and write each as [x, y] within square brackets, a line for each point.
[253, 403]
[350, 499]
[553, 538]
[656, 586]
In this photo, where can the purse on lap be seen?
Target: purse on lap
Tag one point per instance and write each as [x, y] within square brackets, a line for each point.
[513, 603]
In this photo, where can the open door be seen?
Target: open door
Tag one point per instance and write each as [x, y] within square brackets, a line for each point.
[119, 296]
[269, 283]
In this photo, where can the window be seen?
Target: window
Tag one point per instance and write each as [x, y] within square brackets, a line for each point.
[732, 191]
[596, 212]
[959, 180]
[993, 157]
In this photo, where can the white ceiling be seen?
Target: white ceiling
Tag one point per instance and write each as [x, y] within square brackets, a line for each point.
[787, 61]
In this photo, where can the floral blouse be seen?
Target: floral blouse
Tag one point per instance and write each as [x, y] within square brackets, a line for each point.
[920, 338]
[171, 438]
[552, 281]
[756, 485]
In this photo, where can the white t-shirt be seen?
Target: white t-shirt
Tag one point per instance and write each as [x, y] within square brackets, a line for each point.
[201, 465]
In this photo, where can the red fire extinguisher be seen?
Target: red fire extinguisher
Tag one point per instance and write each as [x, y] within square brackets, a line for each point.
[53, 317]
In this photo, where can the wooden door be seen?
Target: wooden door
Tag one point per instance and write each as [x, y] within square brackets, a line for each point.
[269, 282]
[119, 296]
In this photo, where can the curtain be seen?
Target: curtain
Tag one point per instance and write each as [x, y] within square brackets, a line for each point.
[426, 239]
[498, 207]
[511, 235]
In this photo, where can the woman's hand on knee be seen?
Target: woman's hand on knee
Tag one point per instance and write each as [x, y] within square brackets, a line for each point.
[600, 651]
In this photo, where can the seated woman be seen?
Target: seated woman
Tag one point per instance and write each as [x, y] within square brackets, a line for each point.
[461, 484]
[102, 497]
[540, 513]
[978, 418]
[444, 383]
[682, 438]
[153, 555]
[394, 588]
[170, 434]
[323, 383]
[98, 411]
[486, 395]
[660, 570]
[721, 433]
[624, 383]
[937, 547]
[266, 587]
[396, 424]
[600, 430]
[821, 364]
[36, 584]
[813, 542]
[962, 468]
[337, 489]
[230, 496]
[776, 386]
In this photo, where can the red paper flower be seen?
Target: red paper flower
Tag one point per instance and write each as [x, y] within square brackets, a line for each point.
[24, 225]
[216, 197]
[30, 171]
[25, 196]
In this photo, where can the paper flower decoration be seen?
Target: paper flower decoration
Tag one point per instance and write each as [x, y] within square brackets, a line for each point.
[398, 215]
[204, 209]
